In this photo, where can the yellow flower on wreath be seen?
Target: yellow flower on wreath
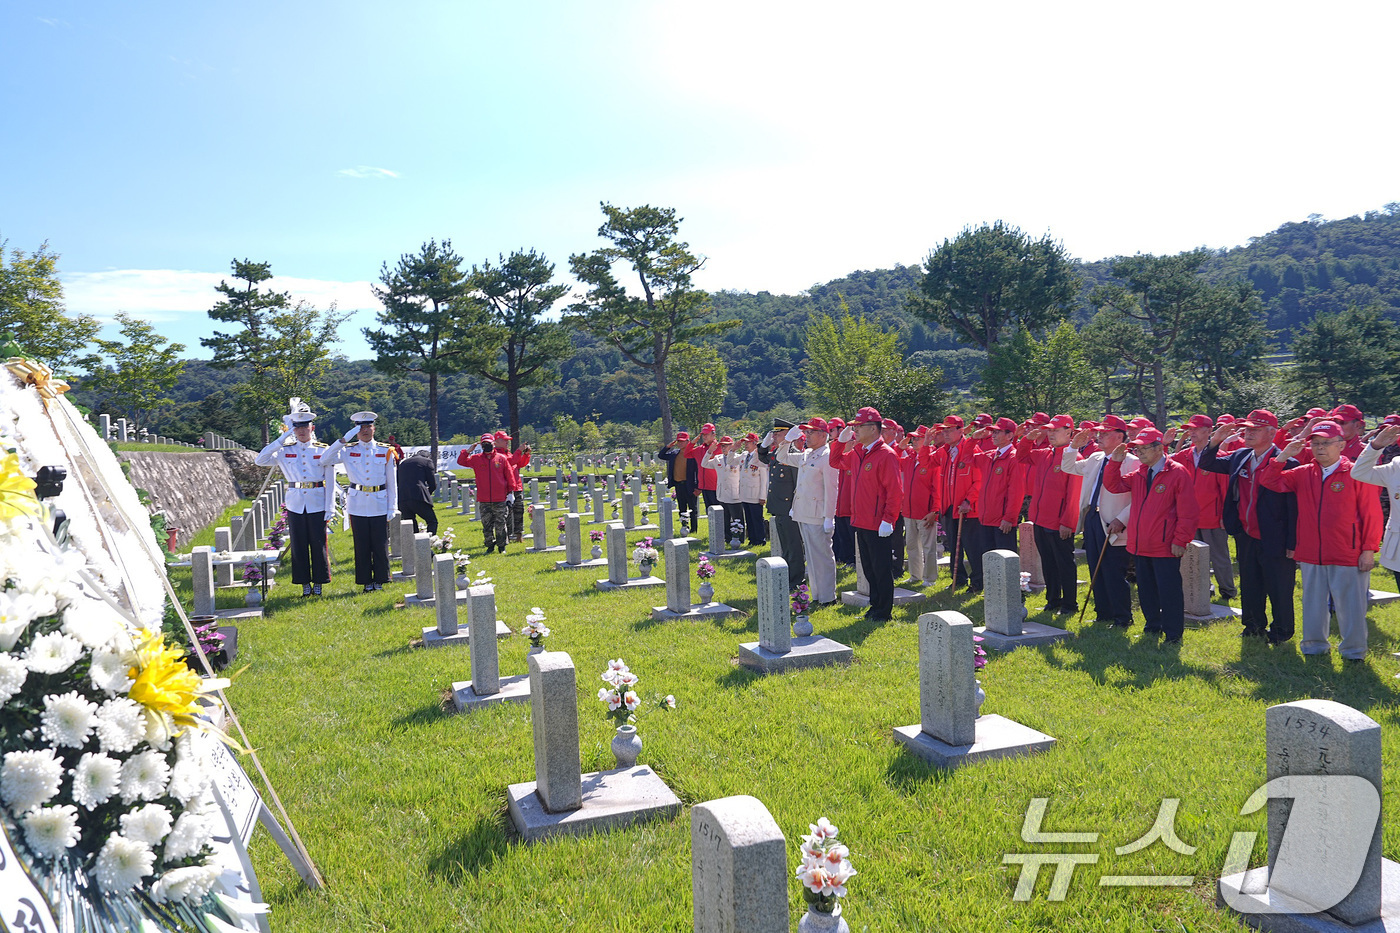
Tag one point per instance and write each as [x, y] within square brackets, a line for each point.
[16, 490]
[164, 684]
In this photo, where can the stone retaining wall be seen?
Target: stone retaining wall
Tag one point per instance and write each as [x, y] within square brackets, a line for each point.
[194, 488]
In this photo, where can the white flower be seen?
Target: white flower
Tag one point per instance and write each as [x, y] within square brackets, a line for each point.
[188, 838]
[17, 610]
[537, 611]
[95, 779]
[823, 830]
[111, 670]
[612, 699]
[122, 864]
[91, 622]
[160, 728]
[191, 775]
[67, 719]
[12, 676]
[670, 701]
[29, 778]
[603, 694]
[144, 777]
[52, 653]
[631, 700]
[120, 725]
[617, 665]
[50, 831]
[148, 824]
[184, 884]
[626, 679]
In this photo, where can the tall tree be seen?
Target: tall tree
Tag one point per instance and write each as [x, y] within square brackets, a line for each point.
[304, 337]
[1223, 345]
[698, 380]
[519, 292]
[31, 308]
[132, 377]
[1353, 356]
[839, 350]
[994, 276]
[669, 310]
[1162, 295]
[256, 344]
[910, 394]
[1027, 375]
[431, 324]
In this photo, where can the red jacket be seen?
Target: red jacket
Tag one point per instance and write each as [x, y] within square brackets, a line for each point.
[922, 484]
[492, 474]
[961, 480]
[1162, 516]
[1338, 518]
[517, 460]
[1003, 487]
[836, 456]
[877, 488]
[709, 479]
[1054, 493]
[1210, 489]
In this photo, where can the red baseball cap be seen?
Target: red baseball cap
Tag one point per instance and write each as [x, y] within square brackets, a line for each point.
[1391, 419]
[707, 428]
[1004, 424]
[682, 435]
[891, 424]
[1146, 436]
[1088, 426]
[953, 421]
[1326, 429]
[1062, 421]
[751, 436]
[1225, 419]
[502, 436]
[1113, 423]
[1040, 418]
[487, 439]
[726, 439]
[816, 424]
[920, 431]
[835, 424]
[868, 415]
[1260, 418]
[983, 420]
[1347, 413]
[1314, 413]
[1199, 421]
[1138, 423]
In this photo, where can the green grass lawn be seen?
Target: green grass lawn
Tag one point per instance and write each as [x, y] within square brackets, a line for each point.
[402, 806]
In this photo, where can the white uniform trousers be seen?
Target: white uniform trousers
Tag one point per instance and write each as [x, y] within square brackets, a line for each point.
[1350, 593]
[821, 562]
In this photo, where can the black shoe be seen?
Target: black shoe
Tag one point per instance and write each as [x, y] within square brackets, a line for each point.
[316, 589]
[1066, 610]
[1173, 641]
[369, 587]
[1253, 633]
[1123, 625]
[306, 589]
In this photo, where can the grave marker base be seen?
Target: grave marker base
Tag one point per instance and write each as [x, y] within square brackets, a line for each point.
[1032, 633]
[808, 651]
[696, 611]
[1216, 612]
[565, 565]
[902, 597]
[432, 638]
[513, 690]
[1381, 597]
[725, 555]
[1294, 916]
[428, 602]
[243, 612]
[996, 737]
[611, 799]
[608, 586]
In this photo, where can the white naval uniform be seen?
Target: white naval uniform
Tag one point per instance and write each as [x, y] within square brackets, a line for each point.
[367, 464]
[302, 465]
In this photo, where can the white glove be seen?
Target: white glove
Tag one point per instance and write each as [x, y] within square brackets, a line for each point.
[350, 434]
[510, 498]
[287, 420]
[846, 436]
[790, 515]
[828, 525]
[767, 440]
[792, 434]
[886, 529]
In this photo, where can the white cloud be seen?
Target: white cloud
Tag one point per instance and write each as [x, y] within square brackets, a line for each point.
[367, 171]
[163, 295]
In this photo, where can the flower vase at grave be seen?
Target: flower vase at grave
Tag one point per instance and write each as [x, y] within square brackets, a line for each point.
[561, 539]
[626, 746]
[646, 567]
[707, 592]
[597, 552]
[802, 626]
[981, 697]
[814, 921]
[252, 597]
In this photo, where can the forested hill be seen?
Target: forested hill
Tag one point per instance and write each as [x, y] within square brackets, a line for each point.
[1300, 269]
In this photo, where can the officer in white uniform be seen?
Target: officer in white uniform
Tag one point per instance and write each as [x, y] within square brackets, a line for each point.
[373, 494]
[302, 461]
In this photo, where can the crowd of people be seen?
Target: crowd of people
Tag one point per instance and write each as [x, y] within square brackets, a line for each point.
[1299, 499]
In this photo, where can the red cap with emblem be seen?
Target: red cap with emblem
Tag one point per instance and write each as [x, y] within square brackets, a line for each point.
[1113, 423]
[682, 435]
[1199, 421]
[952, 421]
[816, 424]
[707, 428]
[1260, 418]
[1004, 424]
[869, 415]
[920, 431]
[487, 439]
[1146, 436]
[1061, 421]
[1325, 429]
[751, 436]
[983, 420]
[1347, 413]
[835, 424]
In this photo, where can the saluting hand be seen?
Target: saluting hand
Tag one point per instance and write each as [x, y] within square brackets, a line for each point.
[1081, 439]
[1119, 453]
[1221, 432]
[1386, 436]
[1294, 448]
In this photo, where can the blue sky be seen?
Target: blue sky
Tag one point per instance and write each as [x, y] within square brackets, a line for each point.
[151, 143]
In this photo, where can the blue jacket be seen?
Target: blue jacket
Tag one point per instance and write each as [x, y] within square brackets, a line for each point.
[1277, 511]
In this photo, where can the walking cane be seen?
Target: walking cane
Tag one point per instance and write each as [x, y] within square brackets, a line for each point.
[955, 559]
[1093, 577]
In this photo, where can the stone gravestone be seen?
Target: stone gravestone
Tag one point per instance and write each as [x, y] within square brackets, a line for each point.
[676, 553]
[775, 543]
[618, 557]
[1003, 609]
[535, 491]
[123, 430]
[573, 497]
[600, 508]
[558, 477]
[1030, 555]
[423, 582]
[104, 427]
[556, 803]
[202, 569]
[539, 537]
[629, 510]
[396, 539]
[447, 631]
[406, 551]
[666, 519]
[223, 541]
[635, 484]
[738, 868]
[776, 648]
[1325, 869]
[573, 547]
[553, 496]
[950, 733]
[249, 540]
[717, 530]
[1195, 585]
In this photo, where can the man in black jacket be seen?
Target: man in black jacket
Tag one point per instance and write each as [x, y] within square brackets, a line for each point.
[1264, 524]
[682, 477]
[417, 478]
[782, 483]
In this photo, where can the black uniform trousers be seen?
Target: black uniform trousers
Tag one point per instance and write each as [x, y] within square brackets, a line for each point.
[1265, 577]
[843, 541]
[733, 512]
[423, 510]
[1057, 565]
[1113, 600]
[896, 540]
[685, 503]
[969, 542]
[1160, 596]
[790, 539]
[311, 556]
[371, 548]
[876, 558]
[998, 540]
[755, 522]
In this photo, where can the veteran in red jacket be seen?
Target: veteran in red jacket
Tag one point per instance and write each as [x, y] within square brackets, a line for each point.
[1210, 498]
[1161, 522]
[1339, 532]
[1054, 510]
[877, 490]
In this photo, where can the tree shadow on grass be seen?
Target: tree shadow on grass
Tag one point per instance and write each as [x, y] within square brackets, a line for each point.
[426, 715]
[908, 774]
[478, 849]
